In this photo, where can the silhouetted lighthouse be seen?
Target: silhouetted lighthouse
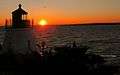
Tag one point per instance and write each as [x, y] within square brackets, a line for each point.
[19, 18]
[19, 37]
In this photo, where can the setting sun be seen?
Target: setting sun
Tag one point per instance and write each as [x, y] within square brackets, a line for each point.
[43, 22]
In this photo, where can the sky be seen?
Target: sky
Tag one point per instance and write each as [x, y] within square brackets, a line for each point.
[64, 11]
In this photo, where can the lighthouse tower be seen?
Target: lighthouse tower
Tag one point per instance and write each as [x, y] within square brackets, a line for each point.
[19, 37]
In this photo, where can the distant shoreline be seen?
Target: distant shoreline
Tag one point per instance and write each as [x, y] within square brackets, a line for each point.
[88, 24]
[83, 24]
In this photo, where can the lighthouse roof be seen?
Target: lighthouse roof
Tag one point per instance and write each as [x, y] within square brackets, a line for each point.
[20, 11]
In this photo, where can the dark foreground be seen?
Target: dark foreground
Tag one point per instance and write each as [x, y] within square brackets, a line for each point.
[74, 60]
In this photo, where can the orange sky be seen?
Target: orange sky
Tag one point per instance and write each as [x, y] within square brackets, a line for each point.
[65, 11]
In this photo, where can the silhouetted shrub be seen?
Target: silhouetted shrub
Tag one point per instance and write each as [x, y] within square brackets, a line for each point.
[66, 59]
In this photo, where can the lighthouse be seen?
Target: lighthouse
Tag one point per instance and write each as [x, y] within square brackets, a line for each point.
[19, 36]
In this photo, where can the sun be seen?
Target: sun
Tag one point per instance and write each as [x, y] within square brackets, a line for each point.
[43, 22]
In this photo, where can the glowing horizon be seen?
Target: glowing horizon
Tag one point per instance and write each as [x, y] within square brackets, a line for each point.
[65, 11]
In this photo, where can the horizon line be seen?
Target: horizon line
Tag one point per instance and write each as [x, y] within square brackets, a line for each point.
[97, 23]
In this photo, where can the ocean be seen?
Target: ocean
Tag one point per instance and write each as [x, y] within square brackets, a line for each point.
[58, 35]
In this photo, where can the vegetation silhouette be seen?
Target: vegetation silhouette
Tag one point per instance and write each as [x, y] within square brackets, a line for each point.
[66, 59]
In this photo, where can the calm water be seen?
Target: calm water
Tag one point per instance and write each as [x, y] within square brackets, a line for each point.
[57, 35]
